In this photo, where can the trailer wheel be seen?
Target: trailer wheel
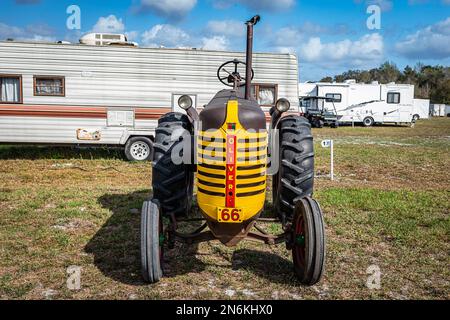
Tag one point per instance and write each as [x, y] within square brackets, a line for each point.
[139, 149]
[415, 117]
[172, 183]
[368, 122]
[295, 177]
[152, 237]
[308, 248]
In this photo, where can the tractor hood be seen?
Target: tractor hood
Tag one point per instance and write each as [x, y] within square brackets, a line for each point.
[250, 114]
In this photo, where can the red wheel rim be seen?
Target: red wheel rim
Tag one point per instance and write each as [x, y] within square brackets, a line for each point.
[299, 249]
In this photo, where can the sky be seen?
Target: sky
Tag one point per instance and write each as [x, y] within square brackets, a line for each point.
[327, 36]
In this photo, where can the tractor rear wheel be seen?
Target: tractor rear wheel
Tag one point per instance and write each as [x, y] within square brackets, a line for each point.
[152, 236]
[295, 177]
[172, 183]
[308, 247]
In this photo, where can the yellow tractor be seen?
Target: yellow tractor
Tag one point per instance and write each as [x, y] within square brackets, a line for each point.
[231, 148]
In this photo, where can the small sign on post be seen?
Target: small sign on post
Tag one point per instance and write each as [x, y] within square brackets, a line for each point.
[329, 144]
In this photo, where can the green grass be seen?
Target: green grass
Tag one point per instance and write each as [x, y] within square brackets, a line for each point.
[389, 207]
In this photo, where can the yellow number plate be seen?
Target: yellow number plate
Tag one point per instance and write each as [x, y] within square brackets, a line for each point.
[229, 215]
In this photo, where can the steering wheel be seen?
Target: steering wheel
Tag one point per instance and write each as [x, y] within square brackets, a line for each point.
[232, 77]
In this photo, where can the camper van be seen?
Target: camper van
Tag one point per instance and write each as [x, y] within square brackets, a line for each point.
[104, 92]
[421, 109]
[364, 103]
[439, 110]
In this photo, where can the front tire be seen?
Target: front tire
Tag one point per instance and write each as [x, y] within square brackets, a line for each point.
[172, 183]
[151, 242]
[308, 237]
[295, 177]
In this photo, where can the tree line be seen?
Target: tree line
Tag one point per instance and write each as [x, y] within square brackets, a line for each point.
[431, 82]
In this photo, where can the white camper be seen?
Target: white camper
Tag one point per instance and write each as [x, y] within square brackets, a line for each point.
[114, 95]
[438, 110]
[421, 109]
[367, 103]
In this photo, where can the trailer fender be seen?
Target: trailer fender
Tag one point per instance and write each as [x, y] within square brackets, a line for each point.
[127, 134]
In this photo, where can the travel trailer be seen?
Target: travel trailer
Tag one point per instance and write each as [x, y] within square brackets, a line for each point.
[363, 103]
[113, 94]
[439, 110]
[421, 109]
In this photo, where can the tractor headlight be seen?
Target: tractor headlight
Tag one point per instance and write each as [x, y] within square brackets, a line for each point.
[283, 105]
[185, 102]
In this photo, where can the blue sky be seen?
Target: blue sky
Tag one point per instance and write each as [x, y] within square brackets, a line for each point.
[328, 36]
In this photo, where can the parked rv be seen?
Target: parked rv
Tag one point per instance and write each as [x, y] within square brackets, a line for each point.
[439, 110]
[421, 109]
[364, 103]
[105, 92]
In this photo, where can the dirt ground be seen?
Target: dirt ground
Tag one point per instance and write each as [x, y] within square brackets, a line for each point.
[388, 209]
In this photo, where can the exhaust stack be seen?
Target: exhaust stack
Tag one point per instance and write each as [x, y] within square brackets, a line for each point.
[248, 70]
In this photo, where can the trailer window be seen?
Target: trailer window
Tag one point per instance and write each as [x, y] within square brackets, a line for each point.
[49, 86]
[11, 89]
[333, 97]
[393, 97]
[265, 94]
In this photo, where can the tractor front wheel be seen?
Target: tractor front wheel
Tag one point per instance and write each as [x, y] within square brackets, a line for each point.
[152, 236]
[308, 241]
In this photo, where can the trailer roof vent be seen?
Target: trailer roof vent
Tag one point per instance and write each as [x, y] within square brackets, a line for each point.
[375, 82]
[105, 39]
[350, 81]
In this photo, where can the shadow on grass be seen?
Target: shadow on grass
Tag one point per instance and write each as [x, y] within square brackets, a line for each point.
[28, 152]
[265, 265]
[116, 246]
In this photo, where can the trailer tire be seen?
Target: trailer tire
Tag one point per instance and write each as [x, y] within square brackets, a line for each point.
[139, 149]
[172, 183]
[368, 122]
[295, 177]
[415, 117]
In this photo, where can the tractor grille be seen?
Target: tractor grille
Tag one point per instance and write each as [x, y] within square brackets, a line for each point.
[250, 159]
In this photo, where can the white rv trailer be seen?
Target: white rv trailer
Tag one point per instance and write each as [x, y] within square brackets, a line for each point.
[438, 110]
[421, 109]
[365, 103]
[104, 95]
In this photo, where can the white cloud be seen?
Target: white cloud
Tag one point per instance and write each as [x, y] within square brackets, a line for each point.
[165, 35]
[215, 43]
[132, 35]
[109, 24]
[259, 5]
[226, 27]
[171, 9]
[428, 43]
[29, 33]
[368, 48]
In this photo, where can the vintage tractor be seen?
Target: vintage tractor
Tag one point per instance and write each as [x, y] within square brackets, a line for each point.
[228, 146]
